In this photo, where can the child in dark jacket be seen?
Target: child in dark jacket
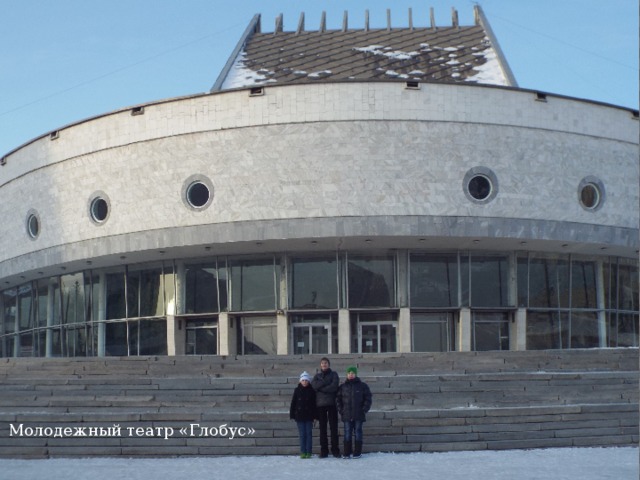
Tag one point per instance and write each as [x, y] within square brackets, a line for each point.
[353, 401]
[303, 411]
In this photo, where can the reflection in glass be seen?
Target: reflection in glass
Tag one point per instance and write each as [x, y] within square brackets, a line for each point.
[202, 338]
[583, 283]
[25, 307]
[40, 342]
[584, 330]
[627, 287]
[116, 304]
[56, 342]
[622, 330]
[371, 282]
[92, 287]
[490, 331]
[151, 338]
[27, 345]
[72, 298]
[253, 285]
[489, 281]
[76, 341]
[387, 335]
[145, 292]
[259, 336]
[547, 330]
[9, 302]
[431, 332]
[548, 282]
[116, 339]
[314, 283]
[434, 281]
[201, 288]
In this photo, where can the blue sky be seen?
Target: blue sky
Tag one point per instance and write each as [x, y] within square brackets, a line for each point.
[68, 60]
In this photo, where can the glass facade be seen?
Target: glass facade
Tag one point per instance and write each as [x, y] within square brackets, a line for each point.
[313, 283]
[373, 299]
[578, 303]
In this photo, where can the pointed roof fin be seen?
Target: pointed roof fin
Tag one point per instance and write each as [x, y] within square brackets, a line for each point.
[253, 27]
[484, 23]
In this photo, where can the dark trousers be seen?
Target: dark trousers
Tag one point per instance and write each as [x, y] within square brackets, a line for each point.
[328, 415]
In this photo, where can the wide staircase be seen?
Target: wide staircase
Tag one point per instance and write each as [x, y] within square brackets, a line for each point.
[210, 405]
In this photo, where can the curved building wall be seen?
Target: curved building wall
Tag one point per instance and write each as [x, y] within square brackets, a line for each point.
[373, 169]
[337, 152]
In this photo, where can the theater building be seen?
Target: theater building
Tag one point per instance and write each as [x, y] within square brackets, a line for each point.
[361, 190]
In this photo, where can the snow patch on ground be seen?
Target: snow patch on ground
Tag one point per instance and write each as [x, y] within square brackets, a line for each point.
[554, 463]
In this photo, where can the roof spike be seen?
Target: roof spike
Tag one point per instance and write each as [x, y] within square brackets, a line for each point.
[388, 19]
[252, 28]
[323, 22]
[300, 24]
[511, 80]
[432, 17]
[366, 20]
[345, 21]
[410, 20]
[454, 17]
[278, 24]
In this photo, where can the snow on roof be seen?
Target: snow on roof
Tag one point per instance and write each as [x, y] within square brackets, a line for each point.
[489, 72]
[455, 54]
[242, 76]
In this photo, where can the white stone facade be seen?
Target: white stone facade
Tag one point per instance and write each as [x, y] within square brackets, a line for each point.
[332, 161]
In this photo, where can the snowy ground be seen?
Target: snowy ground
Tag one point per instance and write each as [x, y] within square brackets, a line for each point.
[548, 464]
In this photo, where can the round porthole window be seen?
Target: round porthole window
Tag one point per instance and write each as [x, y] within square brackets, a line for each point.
[591, 193]
[33, 225]
[480, 185]
[99, 208]
[197, 192]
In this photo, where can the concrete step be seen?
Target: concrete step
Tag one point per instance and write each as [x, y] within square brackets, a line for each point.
[430, 402]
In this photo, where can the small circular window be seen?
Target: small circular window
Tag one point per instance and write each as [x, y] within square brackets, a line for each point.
[480, 185]
[197, 192]
[591, 193]
[99, 208]
[33, 224]
[590, 196]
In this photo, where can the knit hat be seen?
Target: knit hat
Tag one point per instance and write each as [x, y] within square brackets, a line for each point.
[305, 376]
[352, 369]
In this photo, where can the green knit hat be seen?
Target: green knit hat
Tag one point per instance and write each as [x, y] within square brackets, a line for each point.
[352, 369]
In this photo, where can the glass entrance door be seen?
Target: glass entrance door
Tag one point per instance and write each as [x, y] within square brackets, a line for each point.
[377, 337]
[259, 336]
[490, 331]
[311, 338]
[202, 337]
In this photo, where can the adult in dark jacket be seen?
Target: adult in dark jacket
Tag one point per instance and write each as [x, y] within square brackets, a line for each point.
[303, 411]
[353, 401]
[326, 383]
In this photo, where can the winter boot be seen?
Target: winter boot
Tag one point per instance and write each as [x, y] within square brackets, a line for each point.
[357, 451]
[347, 450]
